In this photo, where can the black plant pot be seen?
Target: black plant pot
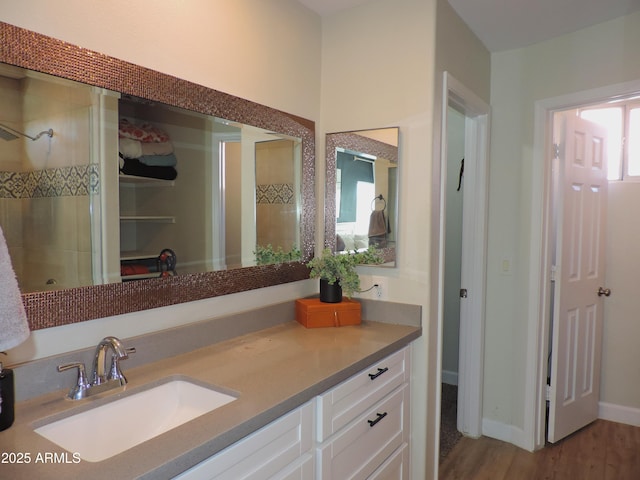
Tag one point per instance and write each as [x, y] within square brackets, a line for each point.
[330, 293]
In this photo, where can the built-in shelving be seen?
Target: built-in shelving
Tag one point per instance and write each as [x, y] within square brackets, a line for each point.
[134, 181]
[148, 218]
[132, 256]
[135, 225]
[141, 276]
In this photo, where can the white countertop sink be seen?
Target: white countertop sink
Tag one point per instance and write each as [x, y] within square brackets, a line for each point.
[101, 432]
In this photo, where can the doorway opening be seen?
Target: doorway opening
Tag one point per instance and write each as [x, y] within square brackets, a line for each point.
[463, 288]
[454, 194]
[542, 248]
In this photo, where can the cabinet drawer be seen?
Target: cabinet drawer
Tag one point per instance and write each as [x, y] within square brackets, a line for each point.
[299, 470]
[262, 454]
[396, 467]
[340, 405]
[359, 449]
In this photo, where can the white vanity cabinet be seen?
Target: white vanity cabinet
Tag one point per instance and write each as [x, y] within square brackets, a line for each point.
[363, 424]
[357, 430]
[281, 450]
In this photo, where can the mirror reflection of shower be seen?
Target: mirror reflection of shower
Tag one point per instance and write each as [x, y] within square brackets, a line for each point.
[47, 179]
[8, 133]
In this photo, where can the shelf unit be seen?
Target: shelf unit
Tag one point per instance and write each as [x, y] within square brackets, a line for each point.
[134, 225]
[134, 181]
[148, 218]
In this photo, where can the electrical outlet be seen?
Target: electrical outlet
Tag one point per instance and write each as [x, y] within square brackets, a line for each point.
[380, 291]
[506, 266]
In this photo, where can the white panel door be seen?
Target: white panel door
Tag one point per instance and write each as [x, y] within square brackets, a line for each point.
[580, 268]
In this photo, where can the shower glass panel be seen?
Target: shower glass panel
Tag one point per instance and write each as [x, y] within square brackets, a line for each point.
[46, 173]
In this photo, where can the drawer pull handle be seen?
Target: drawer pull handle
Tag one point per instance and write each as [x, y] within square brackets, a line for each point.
[380, 371]
[379, 416]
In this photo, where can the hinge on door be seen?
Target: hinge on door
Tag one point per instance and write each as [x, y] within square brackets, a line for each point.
[556, 150]
[463, 293]
[553, 273]
[547, 392]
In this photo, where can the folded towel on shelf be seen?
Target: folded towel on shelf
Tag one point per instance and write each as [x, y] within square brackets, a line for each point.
[159, 160]
[14, 327]
[133, 166]
[144, 132]
[133, 269]
[130, 148]
[156, 148]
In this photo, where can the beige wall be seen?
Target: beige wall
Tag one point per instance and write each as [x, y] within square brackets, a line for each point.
[591, 58]
[459, 52]
[621, 356]
[217, 43]
[394, 40]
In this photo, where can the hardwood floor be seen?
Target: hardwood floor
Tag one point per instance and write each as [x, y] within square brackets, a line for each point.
[603, 451]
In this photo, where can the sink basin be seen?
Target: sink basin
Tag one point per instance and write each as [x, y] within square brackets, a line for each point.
[113, 427]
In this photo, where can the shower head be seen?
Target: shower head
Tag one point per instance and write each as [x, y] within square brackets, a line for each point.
[8, 133]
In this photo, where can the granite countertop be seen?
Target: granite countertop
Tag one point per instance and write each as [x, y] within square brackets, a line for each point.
[273, 371]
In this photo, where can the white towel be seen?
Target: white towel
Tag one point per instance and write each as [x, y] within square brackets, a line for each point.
[130, 148]
[14, 328]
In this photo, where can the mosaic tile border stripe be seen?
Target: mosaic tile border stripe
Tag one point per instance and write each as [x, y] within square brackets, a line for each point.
[276, 193]
[74, 181]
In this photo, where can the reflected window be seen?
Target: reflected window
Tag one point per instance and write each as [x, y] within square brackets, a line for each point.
[612, 119]
[354, 170]
[633, 144]
[622, 122]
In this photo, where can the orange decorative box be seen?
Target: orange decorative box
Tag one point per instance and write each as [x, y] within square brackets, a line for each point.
[313, 313]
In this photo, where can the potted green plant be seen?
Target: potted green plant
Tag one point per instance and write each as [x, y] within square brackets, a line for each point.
[337, 272]
[269, 255]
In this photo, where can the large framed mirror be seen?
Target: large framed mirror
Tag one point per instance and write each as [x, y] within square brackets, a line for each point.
[237, 185]
[361, 206]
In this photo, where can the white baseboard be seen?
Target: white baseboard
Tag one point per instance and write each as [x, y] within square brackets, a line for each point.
[449, 377]
[514, 435]
[619, 413]
[504, 432]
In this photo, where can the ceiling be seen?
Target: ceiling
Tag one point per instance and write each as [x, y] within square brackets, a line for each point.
[508, 24]
[327, 7]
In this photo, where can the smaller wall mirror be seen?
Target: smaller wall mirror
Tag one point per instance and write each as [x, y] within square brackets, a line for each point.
[362, 191]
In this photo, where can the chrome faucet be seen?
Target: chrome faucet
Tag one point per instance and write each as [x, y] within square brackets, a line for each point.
[100, 361]
[102, 379]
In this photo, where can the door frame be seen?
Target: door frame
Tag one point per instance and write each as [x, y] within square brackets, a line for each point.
[541, 238]
[471, 345]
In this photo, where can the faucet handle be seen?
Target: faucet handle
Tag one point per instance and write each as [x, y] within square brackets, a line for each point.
[79, 390]
[115, 373]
